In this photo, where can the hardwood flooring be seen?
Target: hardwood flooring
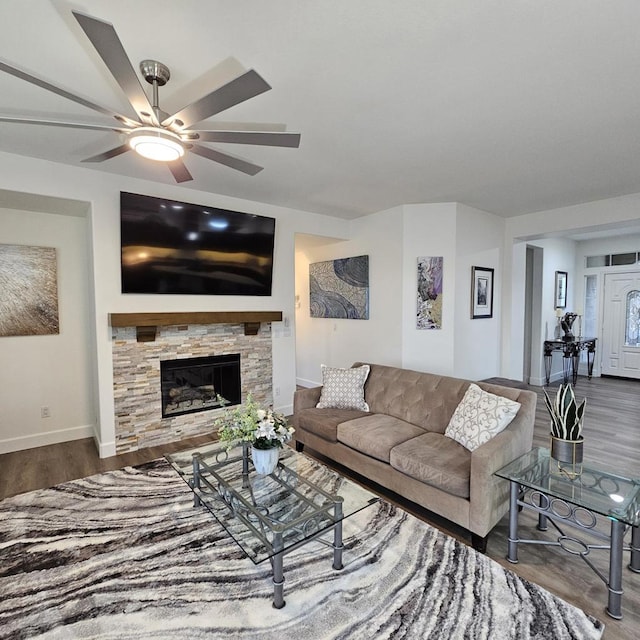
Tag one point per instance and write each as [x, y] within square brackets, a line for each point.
[612, 439]
[43, 467]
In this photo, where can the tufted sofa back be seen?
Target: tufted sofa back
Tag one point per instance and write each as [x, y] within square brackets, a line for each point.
[424, 399]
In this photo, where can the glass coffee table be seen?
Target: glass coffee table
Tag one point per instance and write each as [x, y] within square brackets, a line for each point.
[538, 484]
[270, 516]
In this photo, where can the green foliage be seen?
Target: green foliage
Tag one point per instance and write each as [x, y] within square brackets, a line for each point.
[566, 414]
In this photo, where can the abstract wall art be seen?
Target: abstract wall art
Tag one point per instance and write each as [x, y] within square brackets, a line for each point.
[29, 286]
[429, 315]
[340, 288]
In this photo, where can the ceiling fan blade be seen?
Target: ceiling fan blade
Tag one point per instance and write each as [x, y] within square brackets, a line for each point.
[39, 82]
[241, 126]
[248, 85]
[56, 123]
[111, 153]
[270, 139]
[106, 42]
[179, 171]
[227, 159]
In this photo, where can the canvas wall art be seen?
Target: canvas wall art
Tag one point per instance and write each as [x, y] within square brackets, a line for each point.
[29, 286]
[340, 288]
[429, 293]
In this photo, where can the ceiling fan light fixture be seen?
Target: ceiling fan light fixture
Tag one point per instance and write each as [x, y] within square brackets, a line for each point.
[156, 144]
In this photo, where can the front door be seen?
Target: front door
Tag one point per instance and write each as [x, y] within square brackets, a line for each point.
[621, 326]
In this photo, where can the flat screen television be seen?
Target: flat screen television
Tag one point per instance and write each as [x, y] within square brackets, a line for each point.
[181, 248]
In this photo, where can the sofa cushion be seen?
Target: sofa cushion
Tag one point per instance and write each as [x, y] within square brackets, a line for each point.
[436, 460]
[375, 435]
[425, 399]
[324, 422]
[479, 417]
[343, 388]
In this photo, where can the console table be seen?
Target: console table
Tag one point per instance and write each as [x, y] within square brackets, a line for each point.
[570, 356]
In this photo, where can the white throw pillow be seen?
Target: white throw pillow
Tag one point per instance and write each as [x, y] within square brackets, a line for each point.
[343, 388]
[480, 416]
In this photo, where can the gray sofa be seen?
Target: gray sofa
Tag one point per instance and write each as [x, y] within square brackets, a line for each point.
[400, 444]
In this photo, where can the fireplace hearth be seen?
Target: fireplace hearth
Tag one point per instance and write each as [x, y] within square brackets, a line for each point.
[190, 385]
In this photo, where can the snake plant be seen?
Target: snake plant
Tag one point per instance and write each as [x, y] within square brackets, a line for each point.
[566, 414]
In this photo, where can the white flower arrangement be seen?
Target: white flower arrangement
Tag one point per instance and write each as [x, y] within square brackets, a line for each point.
[263, 428]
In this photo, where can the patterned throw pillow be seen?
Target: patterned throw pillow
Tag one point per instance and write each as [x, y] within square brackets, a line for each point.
[480, 416]
[343, 388]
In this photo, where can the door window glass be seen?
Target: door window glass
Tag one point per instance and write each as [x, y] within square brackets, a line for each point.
[632, 320]
[589, 326]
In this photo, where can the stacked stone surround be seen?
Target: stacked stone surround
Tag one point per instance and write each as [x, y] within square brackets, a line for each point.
[136, 378]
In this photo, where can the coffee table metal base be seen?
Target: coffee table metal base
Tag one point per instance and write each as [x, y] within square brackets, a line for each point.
[334, 512]
[584, 520]
[277, 561]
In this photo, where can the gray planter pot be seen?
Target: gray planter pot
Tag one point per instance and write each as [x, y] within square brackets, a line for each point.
[567, 451]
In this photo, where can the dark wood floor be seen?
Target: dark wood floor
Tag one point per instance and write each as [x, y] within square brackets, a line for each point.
[612, 439]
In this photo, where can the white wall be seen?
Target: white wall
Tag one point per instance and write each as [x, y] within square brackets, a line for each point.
[477, 342]
[341, 342]
[394, 240]
[429, 230]
[102, 191]
[54, 371]
[558, 254]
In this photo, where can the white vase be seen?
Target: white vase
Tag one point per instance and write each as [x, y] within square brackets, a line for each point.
[265, 460]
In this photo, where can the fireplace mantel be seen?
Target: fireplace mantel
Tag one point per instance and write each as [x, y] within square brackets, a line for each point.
[146, 324]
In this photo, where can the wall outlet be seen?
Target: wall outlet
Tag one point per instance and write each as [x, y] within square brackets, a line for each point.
[45, 412]
[277, 391]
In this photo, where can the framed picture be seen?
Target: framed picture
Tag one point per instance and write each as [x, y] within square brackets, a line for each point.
[561, 290]
[481, 292]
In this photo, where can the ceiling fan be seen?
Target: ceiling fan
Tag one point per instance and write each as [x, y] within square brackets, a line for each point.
[156, 134]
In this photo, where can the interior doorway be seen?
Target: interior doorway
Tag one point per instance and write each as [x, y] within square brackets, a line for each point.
[532, 356]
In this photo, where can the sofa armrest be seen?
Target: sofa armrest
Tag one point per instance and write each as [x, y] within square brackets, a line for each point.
[305, 399]
[488, 493]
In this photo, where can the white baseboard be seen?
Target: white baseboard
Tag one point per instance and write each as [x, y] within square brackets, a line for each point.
[285, 410]
[105, 449]
[43, 439]
[542, 381]
[307, 384]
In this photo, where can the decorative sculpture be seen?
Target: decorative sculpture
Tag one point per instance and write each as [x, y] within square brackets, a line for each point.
[566, 323]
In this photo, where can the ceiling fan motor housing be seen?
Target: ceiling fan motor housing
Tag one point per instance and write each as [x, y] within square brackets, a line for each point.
[154, 71]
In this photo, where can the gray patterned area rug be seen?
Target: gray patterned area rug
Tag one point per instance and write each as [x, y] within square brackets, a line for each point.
[125, 555]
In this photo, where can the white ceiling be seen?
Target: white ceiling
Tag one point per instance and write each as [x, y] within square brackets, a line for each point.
[511, 106]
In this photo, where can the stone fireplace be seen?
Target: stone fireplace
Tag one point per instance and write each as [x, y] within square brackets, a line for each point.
[137, 380]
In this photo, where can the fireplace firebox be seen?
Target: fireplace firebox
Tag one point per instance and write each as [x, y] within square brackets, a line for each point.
[189, 385]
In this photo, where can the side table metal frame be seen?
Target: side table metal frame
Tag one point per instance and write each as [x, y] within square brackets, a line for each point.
[553, 510]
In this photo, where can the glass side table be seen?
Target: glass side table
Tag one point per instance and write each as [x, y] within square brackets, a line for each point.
[538, 485]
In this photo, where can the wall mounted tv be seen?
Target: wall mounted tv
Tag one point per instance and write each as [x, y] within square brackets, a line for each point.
[176, 247]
